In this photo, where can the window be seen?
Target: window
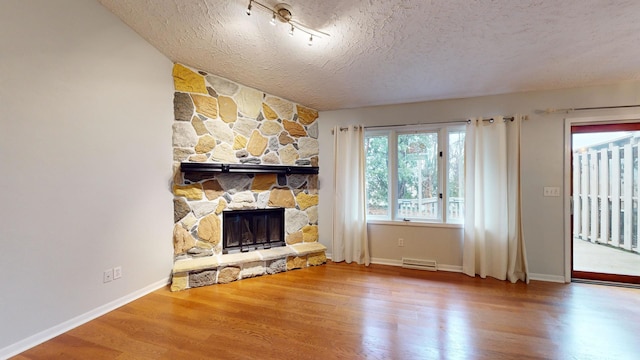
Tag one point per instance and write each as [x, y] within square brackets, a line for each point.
[415, 174]
[377, 174]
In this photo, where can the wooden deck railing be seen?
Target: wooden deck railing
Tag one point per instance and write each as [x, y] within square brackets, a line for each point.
[605, 196]
[428, 208]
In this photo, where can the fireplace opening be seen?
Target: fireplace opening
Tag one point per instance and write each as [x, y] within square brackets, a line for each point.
[247, 230]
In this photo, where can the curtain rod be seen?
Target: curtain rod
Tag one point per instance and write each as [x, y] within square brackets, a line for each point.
[568, 110]
[416, 124]
[505, 118]
[468, 121]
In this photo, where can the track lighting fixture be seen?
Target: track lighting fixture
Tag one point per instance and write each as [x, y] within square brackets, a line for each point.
[283, 13]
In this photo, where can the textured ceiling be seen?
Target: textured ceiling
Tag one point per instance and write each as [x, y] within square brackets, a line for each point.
[386, 52]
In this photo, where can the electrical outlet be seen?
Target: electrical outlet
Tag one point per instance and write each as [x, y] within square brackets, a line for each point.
[117, 272]
[107, 276]
[400, 242]
[551, 191]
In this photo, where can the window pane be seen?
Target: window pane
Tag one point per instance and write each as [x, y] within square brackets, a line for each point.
[455, 177]
[418, 176]
[377, 174]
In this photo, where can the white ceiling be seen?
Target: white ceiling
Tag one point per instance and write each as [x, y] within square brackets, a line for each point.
[386, 52]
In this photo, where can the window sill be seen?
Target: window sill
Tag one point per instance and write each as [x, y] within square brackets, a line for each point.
[415, 223]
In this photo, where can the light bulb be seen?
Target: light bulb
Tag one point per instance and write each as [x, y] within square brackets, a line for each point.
[291, 31]
[310, 40]
[273, 19]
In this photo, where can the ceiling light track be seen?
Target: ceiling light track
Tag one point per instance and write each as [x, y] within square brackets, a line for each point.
[282, 12]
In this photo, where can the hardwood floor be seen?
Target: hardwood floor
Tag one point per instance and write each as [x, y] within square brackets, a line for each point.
[341, 311]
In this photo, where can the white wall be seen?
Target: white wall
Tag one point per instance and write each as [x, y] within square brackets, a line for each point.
[542, 162]
[85, 165]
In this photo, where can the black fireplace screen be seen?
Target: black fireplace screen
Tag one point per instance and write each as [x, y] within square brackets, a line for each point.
[246, 230]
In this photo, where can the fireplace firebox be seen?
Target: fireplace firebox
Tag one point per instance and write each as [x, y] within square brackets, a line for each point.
[247, 230]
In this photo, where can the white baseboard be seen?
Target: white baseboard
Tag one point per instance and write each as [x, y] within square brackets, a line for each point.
[450, 268]
[56, 330]
[390, 262]
[393, 262]
[458, 269]
[547, 277]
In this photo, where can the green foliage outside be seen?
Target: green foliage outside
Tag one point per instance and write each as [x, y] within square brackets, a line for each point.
[455, 184]
[417, 166]
[377, 174]
[417, 169]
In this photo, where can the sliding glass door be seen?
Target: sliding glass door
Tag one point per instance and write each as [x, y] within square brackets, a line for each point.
[605, 188]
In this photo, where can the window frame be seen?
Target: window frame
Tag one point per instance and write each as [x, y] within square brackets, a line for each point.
[392, 133]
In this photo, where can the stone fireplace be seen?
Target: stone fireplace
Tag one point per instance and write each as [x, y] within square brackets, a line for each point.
[238, 150]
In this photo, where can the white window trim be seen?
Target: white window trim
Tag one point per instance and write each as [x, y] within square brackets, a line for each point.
[416, 223]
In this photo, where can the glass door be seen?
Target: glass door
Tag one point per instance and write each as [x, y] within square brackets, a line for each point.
[605, 188]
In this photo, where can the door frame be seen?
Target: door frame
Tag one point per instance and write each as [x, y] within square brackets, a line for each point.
[568, 223]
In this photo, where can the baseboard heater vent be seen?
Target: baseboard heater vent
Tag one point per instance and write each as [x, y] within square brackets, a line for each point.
[419, 264]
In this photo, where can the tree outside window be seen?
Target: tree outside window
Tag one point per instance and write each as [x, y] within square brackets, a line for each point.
[420, 171]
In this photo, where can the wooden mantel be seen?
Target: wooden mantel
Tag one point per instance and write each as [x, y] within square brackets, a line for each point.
[194, 167]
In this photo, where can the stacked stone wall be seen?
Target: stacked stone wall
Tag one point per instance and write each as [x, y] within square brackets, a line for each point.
[219, 121]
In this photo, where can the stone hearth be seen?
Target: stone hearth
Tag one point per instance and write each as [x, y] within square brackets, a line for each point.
[222, 269]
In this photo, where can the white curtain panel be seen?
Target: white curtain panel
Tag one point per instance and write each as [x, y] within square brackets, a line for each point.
[350, 241]
[493, 240]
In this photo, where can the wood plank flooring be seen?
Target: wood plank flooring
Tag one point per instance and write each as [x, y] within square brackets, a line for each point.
[342, 311]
